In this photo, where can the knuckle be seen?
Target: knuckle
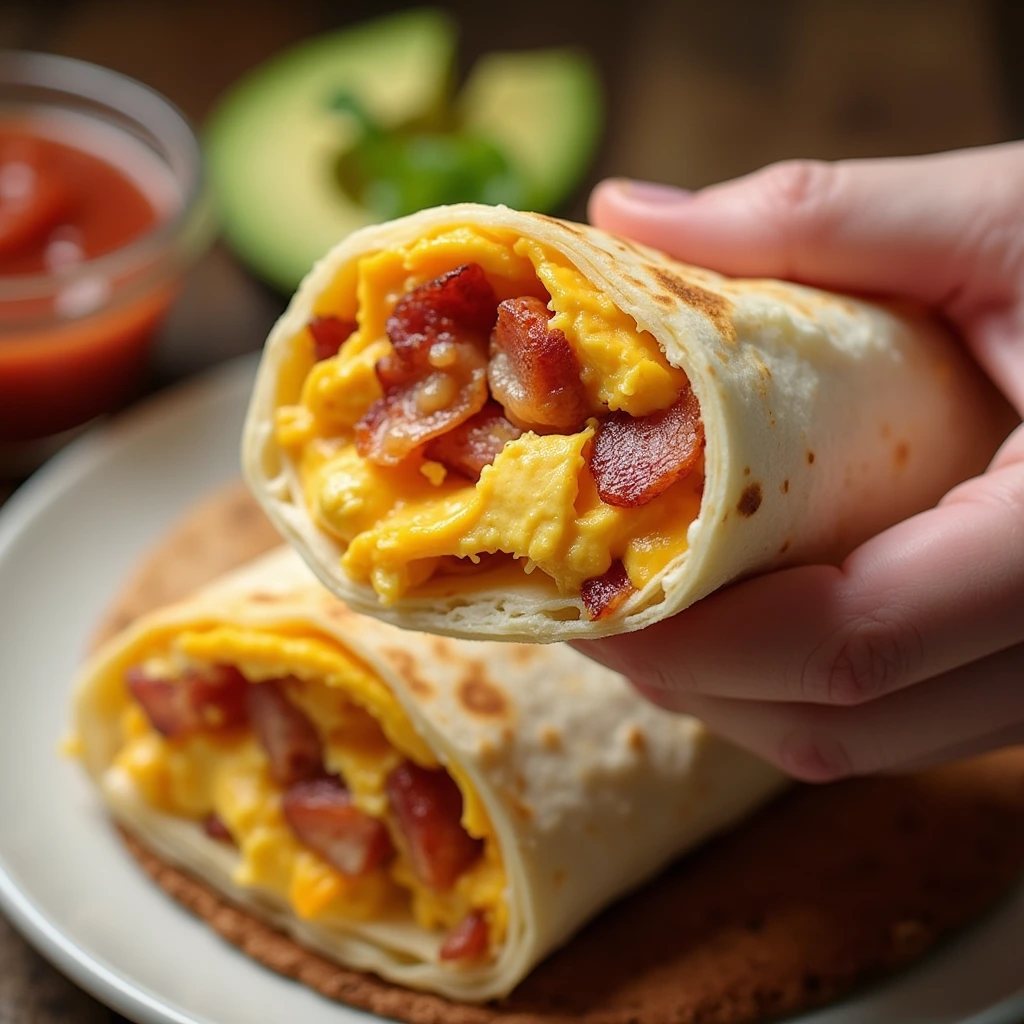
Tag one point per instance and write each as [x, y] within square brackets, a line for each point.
[799, 193]
[814, 757]
[874, 656]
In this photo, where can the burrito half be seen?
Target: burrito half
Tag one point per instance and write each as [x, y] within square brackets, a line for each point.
[441, 813]
[486, 423]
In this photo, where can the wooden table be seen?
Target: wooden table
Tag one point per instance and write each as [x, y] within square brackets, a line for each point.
[698, 91]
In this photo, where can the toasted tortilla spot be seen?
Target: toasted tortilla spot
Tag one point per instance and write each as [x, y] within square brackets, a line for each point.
[487, 752]
[479, 696]
[750, 500]
[519, 807]
[441, 648]
[550, 738]
[785, 547]
[810, 458]
[405, 665]
[900, 454]
[336, 611]
[265, 598]
[522, 654]
[559, 876]
[714, 307]
[625, 245]
[635, 739]
[785, 486]
[746, 471]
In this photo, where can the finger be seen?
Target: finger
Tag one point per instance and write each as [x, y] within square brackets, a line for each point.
[820, 744]
[935, 592]
[932, 228]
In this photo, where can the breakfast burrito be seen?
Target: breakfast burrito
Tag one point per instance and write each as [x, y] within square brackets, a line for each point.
[486, 423]
[439, 812]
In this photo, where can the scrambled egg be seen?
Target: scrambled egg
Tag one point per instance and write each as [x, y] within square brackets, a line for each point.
[365, 734]
[537, 502]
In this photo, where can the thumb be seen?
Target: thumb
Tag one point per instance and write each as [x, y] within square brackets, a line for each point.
[941, 229]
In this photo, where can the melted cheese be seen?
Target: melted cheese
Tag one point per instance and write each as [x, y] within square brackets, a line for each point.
[537, 502]
[365, 734]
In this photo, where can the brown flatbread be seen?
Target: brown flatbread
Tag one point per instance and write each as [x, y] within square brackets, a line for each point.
[827, 888]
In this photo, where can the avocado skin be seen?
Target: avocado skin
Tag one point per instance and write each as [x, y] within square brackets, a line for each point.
[273, 141]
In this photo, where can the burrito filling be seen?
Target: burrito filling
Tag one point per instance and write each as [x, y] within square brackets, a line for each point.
[471, 400]
[297, 755]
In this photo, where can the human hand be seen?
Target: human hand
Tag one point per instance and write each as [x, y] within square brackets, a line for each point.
[912, 651]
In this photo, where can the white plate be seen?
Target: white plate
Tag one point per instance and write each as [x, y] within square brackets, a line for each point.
[67, 540]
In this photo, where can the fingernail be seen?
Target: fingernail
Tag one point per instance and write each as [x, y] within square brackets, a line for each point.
[652, 193]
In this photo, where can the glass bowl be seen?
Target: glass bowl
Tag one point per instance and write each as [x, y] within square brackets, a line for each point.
[75, 339]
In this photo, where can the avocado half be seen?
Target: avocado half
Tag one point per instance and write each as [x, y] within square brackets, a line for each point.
[276, 141]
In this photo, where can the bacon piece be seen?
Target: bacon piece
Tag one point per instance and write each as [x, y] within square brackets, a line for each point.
[534, 372]
[286, 734]
[321, 814]
[436, 376]
[214, 827]
[603, 594]
[329, 334]
[634, 459]
[199, 700]
[468, 940]
[428, 806]
[474, 444]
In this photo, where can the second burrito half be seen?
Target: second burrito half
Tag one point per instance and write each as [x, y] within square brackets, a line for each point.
[440, 813]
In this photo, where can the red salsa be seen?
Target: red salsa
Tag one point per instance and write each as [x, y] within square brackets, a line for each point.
[60, 205]
[73, 189]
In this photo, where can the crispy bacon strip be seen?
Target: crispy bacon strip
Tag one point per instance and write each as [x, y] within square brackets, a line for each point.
[321, 814]
[436, 377]
[634, 459]
[329, 334]
[212, 699]
[474, 444]
[428, 807]
[603, 594]
[534, 372]
[215, 828]
[468, 940]
[286, 734]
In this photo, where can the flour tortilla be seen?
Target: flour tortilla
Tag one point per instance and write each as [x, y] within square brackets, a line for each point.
[825, 888]
[590, 789]
[826, 418]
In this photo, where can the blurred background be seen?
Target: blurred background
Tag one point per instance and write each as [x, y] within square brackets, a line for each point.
[695, 92]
